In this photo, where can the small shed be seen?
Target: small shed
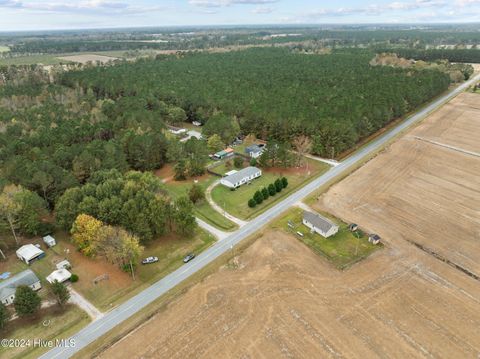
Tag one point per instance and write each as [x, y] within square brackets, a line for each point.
[374, 238]
[63, 265]
[29, 253]
[254, 151]
[49, 241]
[60, 275]
[353, 227]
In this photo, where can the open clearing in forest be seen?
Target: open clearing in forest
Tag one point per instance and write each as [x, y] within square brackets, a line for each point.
[280, 299]
[424, 188]
[83, 59]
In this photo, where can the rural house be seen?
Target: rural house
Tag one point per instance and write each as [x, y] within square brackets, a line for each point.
[255, 151]
[228, 152]
[9, 286]
[319, 224]
[59, 275]
[241, 177]
[28, 253]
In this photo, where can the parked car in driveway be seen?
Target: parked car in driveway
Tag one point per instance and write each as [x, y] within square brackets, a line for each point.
[150, 260]
[188, 258]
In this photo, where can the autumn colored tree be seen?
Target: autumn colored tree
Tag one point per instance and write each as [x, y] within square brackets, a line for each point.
[85, 233]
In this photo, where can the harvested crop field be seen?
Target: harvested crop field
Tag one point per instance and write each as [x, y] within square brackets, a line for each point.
[425, 188]
[282, 300]
[83, 59]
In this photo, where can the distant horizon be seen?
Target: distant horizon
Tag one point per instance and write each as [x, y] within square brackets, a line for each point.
[246, 26]
[61, 15]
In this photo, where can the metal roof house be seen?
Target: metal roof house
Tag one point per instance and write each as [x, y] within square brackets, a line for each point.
[28, 253]
[254, 151]
[241, 177]
[319, 224]
[59, 275]
[9, 286]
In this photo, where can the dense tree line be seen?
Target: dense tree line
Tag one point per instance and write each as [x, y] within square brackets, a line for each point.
[454, 55]
[271, 92]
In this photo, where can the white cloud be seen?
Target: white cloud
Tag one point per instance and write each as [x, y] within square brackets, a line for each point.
[262, 10]
[223, 3]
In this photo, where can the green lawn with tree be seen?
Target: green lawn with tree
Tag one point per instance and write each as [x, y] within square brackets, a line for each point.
[236, 202]
[342, 250]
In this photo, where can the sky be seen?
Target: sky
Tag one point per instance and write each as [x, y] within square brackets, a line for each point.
[71, 14]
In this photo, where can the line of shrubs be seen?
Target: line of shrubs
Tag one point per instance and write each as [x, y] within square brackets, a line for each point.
[266, 192]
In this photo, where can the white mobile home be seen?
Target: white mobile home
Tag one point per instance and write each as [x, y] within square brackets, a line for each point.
[241, 177]
[319, 224]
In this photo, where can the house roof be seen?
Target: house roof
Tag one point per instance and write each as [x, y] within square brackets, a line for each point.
[8, 286]
[253, 148]
[319, 221]
[375, 237]
[29, 251]
[246, 172]
[63, 264]
[60, 275]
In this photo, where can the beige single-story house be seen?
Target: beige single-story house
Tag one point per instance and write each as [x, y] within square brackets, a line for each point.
[241, 177]
[319, 224]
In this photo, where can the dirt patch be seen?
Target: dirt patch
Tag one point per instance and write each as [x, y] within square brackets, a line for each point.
[83, 59]
[282, 300]
[166, 173]
[424, 188]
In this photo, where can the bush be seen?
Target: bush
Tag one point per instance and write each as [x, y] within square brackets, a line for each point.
[284, 182]
[278, 185]
[252, 203]
[272, 190]
[258, 197]
[60, 292]
[238, 162]
[4, 315]
[74, 278]
[265, 193]
[253, 162]
[196, 193]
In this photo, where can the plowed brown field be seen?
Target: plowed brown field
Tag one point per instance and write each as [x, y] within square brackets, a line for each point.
[424, 188]
[285, 301]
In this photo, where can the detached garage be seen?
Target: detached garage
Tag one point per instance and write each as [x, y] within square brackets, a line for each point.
[29, 253]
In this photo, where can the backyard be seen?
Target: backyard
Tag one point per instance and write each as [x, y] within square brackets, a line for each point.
[342, 250]
[202, 209]
[236, 202]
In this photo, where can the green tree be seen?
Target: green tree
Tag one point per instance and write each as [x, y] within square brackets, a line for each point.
[4, 315]
[185, 221]
[180, 171]
[252, 203]
[272, 190]
[215, 143]
[284, 182]
[258, 197]
[60, 292]
[26, 301]
[253, 162]
[196, 193]
[265, 193]
[278, 185]
[238, 162]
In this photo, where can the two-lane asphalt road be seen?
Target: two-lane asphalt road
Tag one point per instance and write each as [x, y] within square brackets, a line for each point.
[99, 327]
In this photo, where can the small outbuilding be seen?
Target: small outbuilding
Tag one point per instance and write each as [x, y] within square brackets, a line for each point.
[29, 253]
[9, 286]
[227, 152]
[241, 177]
[353, 227]
[60, 275]
[319, 224]
[63, 265]
[49, 241]
[374, 238]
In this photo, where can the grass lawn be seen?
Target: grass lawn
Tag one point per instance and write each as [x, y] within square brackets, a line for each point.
[236, 202]
[50, 324]
[342, 249]
[4, 48]
[120, 286]
[202, 210]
